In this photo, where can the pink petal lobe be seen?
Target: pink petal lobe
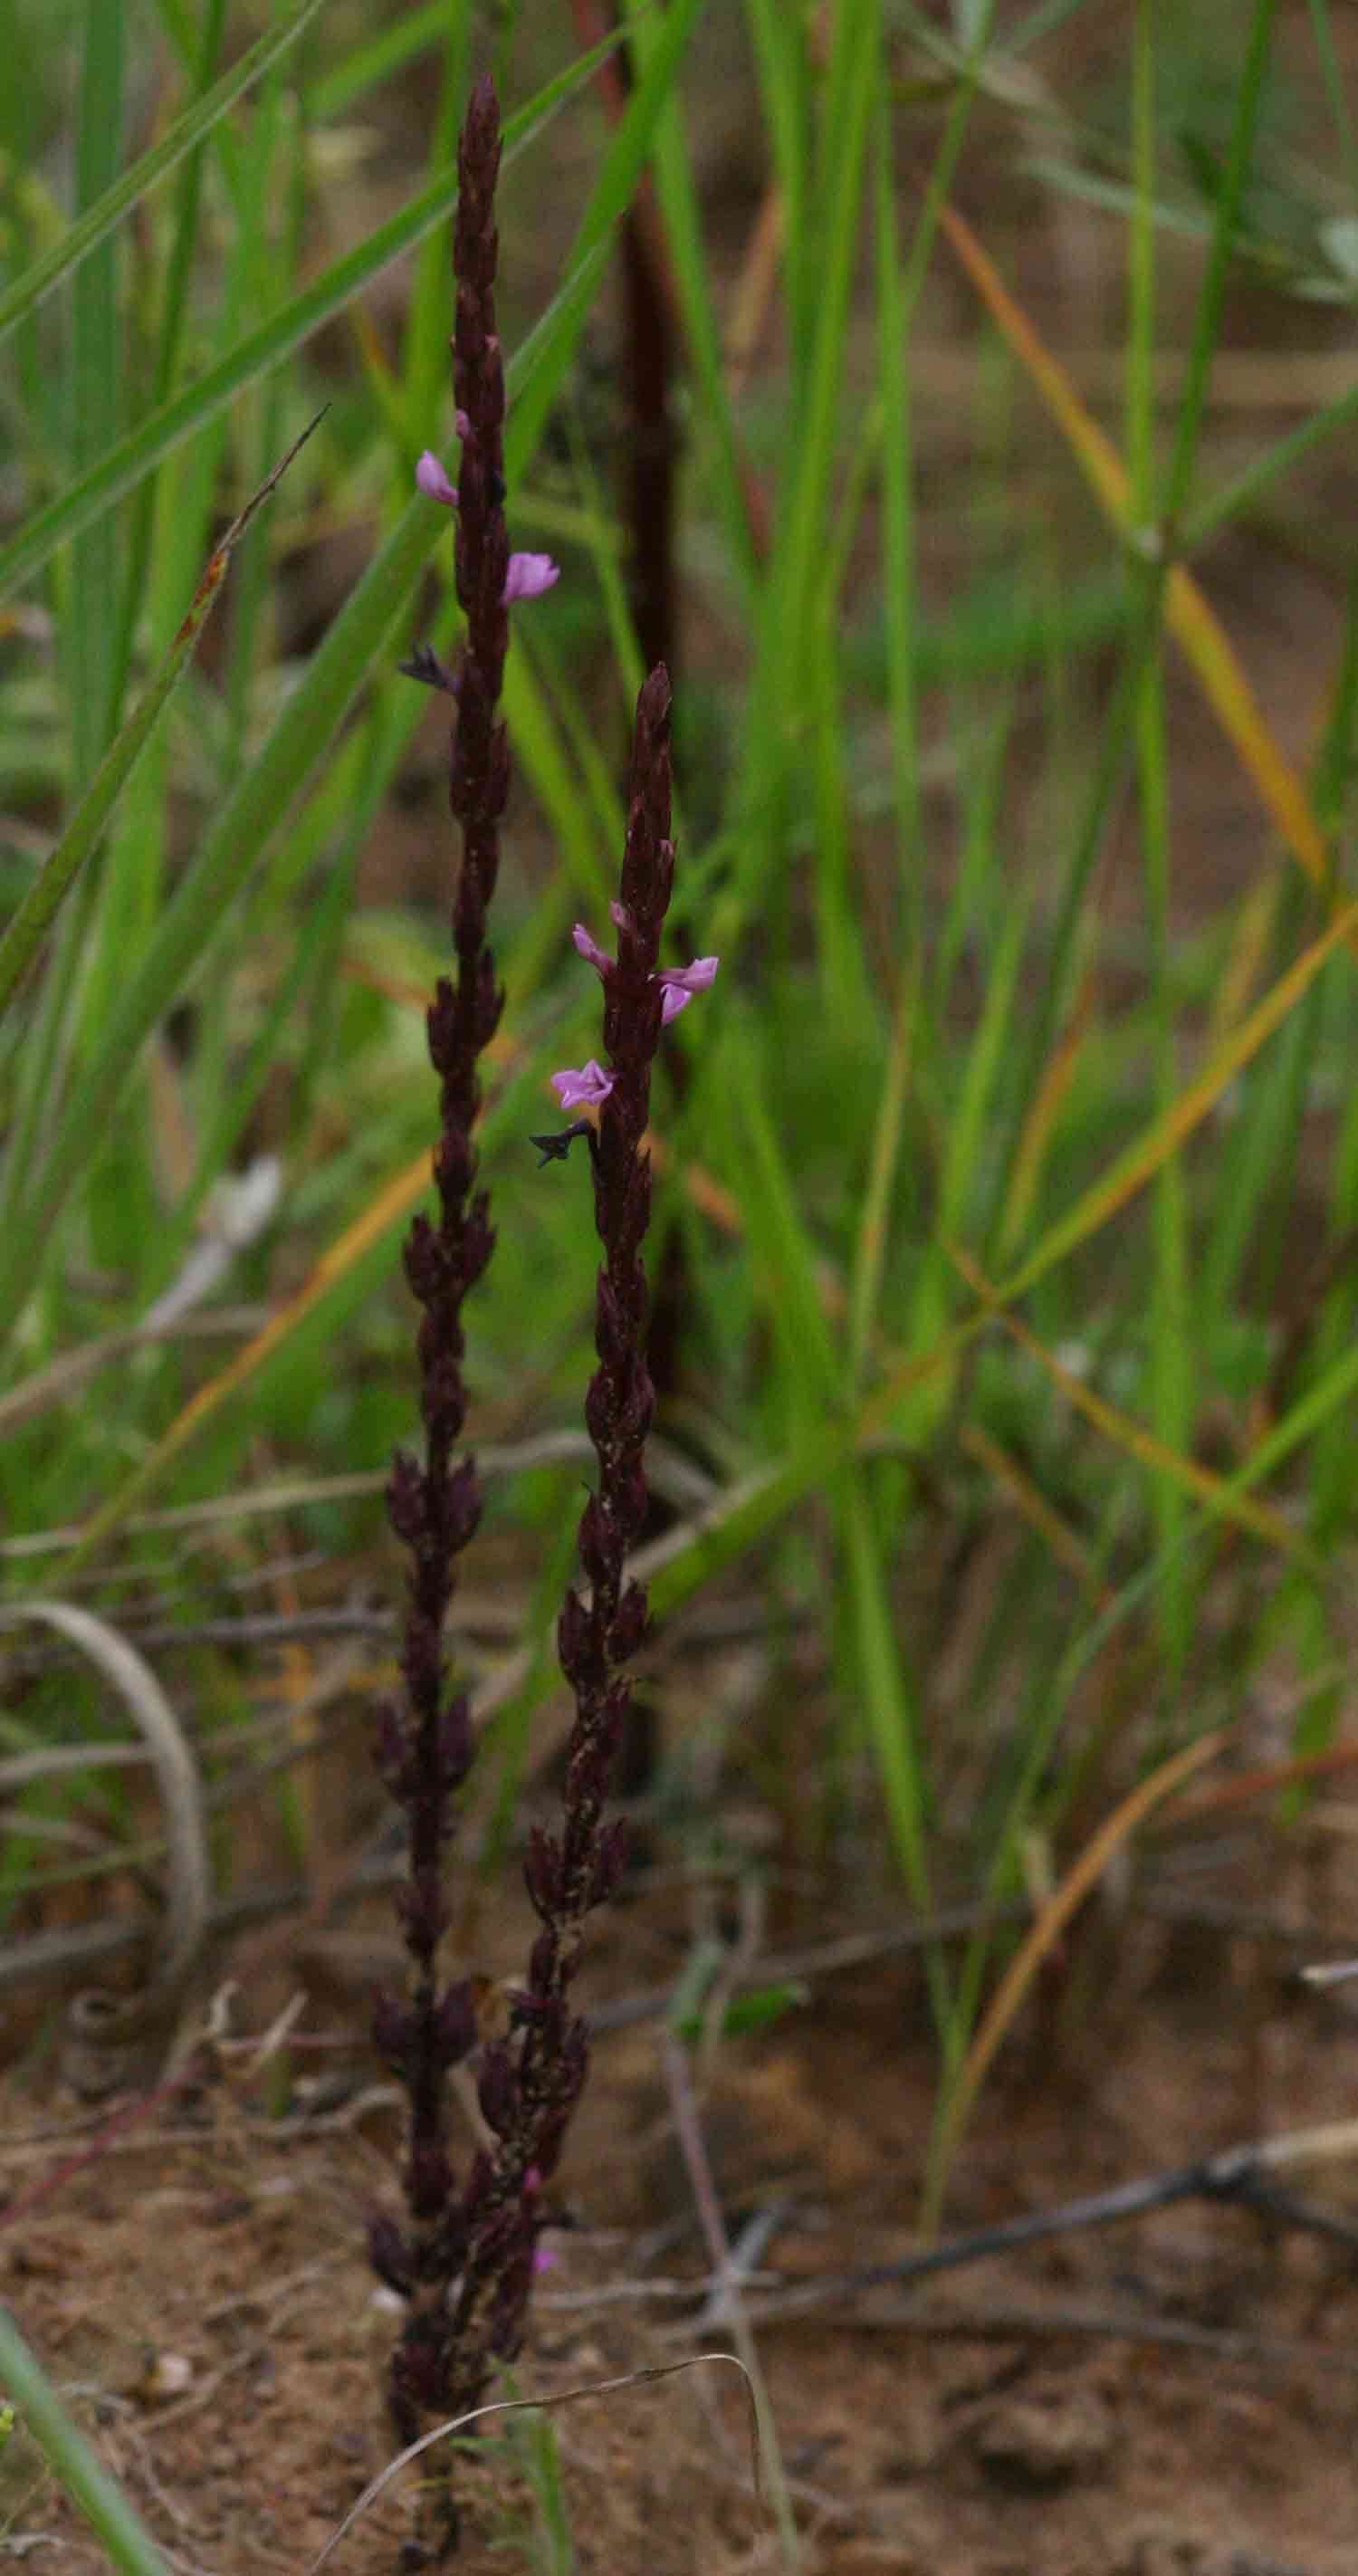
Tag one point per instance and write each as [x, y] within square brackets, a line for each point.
[432, 480]
[529, 575]
[682, 982]
[583, 1089]
[590, 950]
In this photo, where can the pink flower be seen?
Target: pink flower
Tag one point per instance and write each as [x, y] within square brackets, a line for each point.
[679, 983]
[527, 576]
[593, 955]
[583, 1089]
[430, 476]
[682, 982]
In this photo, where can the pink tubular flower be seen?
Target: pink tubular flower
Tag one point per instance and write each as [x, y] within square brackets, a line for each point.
[678, 983]
[432, 480]
[589, 949]
[584, 1089]
[682, 982]
[527, 576]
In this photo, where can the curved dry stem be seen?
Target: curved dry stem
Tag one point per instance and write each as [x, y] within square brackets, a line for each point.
[109, 2035]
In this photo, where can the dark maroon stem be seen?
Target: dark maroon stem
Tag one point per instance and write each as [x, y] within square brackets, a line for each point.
[531, 2081]
[463, 2259]
[425, 1741]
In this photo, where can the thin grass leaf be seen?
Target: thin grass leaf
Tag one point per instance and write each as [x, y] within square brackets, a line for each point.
[81, 2474]
[1040, 1125]
[257, 808]
[1245, 489]
[334, 91]
[30, 924]
[888, 1702]
[195, 915]
[94, 394]
[1166, 1134]
[424, 351]
[1033, 1506]
[99, 219]
[629, 148]
[900, 603]
[121, 467]
[1248, 94]
[672, 171]
[1249, 1201]
[1172, 1359]
[870, 1243]
[1334, 89]
[348, 1259]
[1194, 624]
[959, 2098]
[173, 308]
[781, 1250]
[778, 38]
[1173, 1466]
[852, 71]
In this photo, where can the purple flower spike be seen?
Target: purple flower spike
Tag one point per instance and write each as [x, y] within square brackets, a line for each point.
[588, 1087]
[682, 982]
[529, 575]
[432, 480]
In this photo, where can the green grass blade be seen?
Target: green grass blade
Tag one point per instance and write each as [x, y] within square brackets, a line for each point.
[94, 392]
[1129, 1172]
[779, 39]
[870, 1244]
[1334, 89]
[256, 809]
[678, 197]
[781, 1247]
[30, 925]
[376, 59]
[121, 467]
[116, 200]
[854, 69]
[1249, 486]
[1192, 399]
[900, 606]
[887, 1700]
[174, 305]
[1174, 1364]
[424, 356]
[101, 2500]
[195, 917]
[629, 148]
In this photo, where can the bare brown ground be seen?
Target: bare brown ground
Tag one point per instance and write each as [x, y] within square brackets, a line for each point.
[1173, 2395]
